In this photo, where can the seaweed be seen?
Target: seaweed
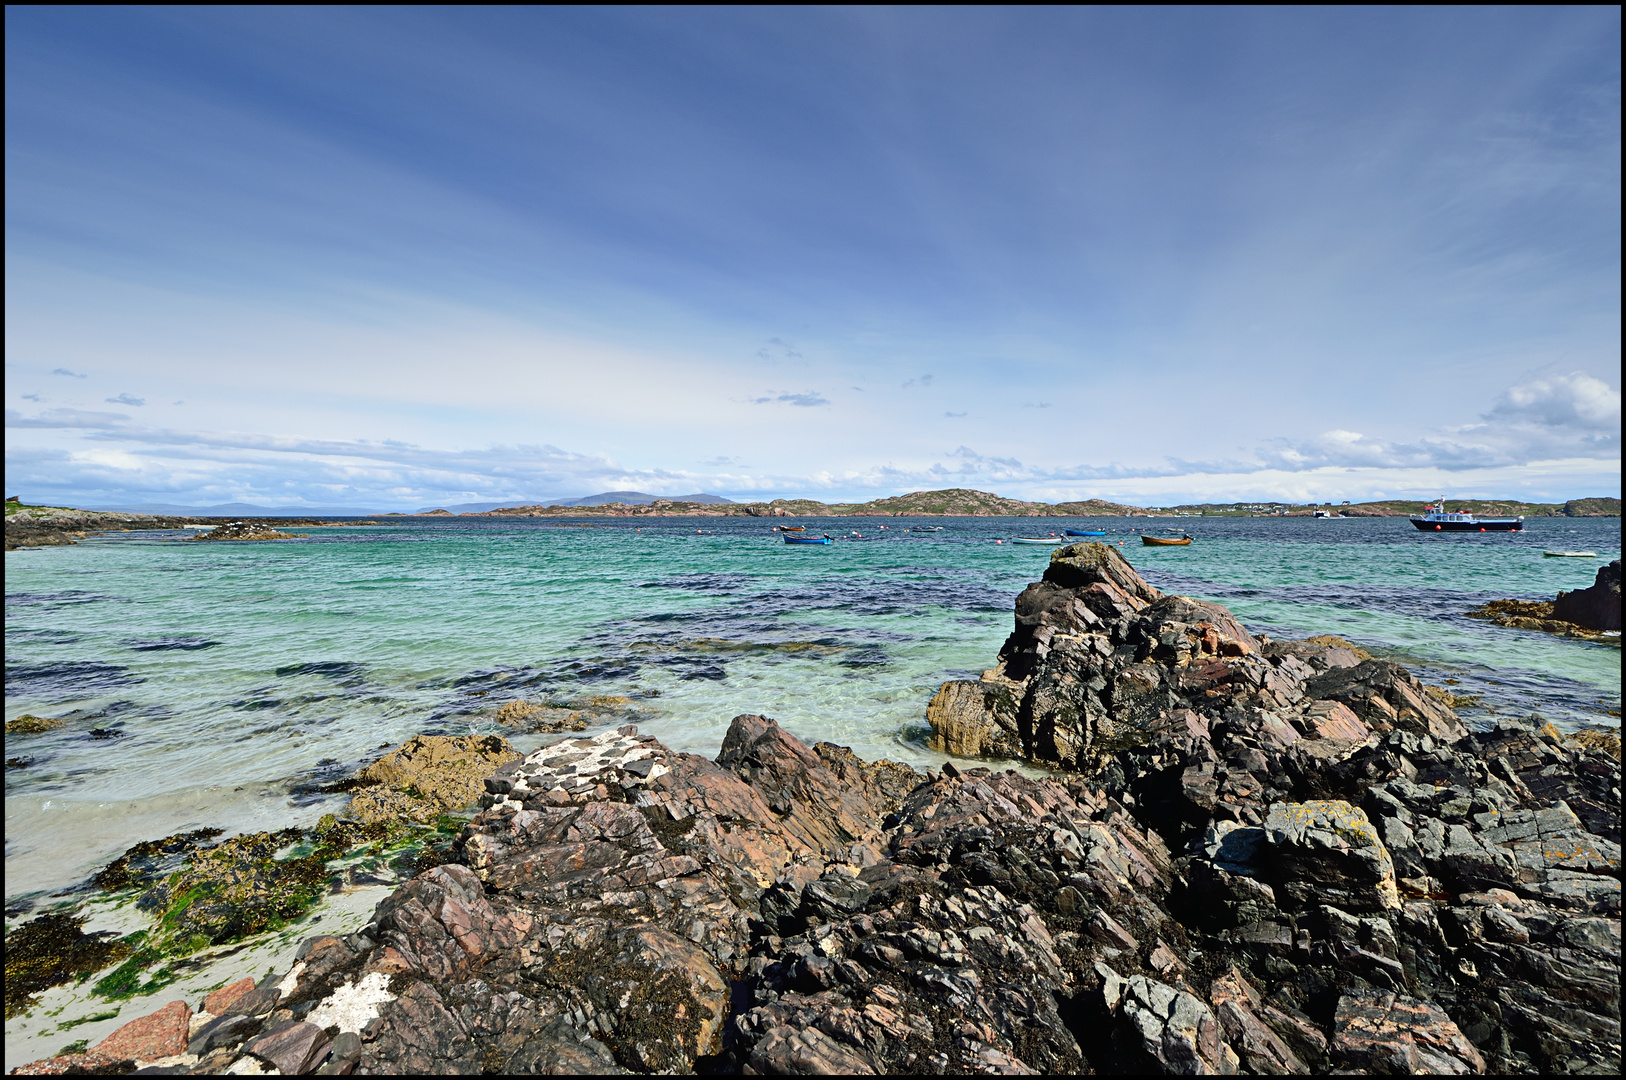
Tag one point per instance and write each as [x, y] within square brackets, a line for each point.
[52, 950]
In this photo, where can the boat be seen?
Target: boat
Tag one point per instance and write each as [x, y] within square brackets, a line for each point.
[790, 528]
[1327, 515]
[1047, 541]
[1085, 532]
[1162, 541]
[924, 528]
[1570, 554]
[1438, 520]
[808, 540]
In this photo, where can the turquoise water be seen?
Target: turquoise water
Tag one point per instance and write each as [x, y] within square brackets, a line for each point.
[212, 684]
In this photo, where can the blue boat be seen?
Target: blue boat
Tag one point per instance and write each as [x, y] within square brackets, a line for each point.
[1085, 532]
[808, 540]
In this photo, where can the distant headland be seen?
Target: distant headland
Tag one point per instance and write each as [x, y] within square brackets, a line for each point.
[965, 502]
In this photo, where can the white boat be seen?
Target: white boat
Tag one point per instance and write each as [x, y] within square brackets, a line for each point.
[1570, 554]
[1052, 541]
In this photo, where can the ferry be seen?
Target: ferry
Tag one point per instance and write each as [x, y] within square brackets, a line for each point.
[1436, 519]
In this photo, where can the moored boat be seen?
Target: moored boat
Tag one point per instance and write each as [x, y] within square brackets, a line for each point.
[1048, 541]
[808, 540]
[1163, 541]
[1570, 554]
[1084, 532]
[790, 528]
[1437, 519]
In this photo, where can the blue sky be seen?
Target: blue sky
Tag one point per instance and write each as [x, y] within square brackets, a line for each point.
[390, 258]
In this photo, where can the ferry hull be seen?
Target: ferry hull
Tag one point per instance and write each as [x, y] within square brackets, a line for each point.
[1493, 525]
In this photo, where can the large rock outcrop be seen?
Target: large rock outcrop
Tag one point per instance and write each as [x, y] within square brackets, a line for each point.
[1101, 662]
[1596, 607]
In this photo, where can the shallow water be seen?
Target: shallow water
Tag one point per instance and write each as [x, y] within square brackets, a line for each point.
[207, 681]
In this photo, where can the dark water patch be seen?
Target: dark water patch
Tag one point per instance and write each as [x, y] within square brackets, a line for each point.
[42, 635]
[257, 700]
[185, 644]
[865, 658]
[704, 584]
[599, 669]
[67, 679]
[105, 734]
[491, 679]
[63, 598]
[337, 670]
[691, 668]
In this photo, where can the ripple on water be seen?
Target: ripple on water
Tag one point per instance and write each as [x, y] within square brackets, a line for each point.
[60, 598]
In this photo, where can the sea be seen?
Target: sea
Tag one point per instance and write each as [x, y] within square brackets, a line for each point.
[225, 684]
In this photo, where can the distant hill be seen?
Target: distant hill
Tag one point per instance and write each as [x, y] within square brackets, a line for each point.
[627, 498]
[238, 509]
[640, 498]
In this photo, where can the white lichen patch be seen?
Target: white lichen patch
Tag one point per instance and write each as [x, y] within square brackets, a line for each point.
[573, 765]
[351, 1006]
[290, 981]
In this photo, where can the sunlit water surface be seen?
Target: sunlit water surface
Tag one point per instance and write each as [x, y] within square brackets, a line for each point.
[208, 683]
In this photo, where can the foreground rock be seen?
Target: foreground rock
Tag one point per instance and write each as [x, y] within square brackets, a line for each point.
[1334, 878]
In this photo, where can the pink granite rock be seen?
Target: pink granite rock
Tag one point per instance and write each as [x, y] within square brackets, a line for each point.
[155, 1035]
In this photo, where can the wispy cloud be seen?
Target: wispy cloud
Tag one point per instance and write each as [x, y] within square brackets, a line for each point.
[31, 397]
[126, 399]
[923, 381]
[70, 374]
[807, 400]
[954, 415]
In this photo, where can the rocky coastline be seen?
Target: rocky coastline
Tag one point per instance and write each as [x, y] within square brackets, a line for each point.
[49, 526]
[1252, 856]
[1591, 614]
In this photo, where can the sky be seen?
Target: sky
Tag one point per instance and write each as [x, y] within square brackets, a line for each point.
[393, 258]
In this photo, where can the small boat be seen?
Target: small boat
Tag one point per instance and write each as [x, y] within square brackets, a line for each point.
[790, 528]
[808, 540]
[1161, 541]
[1085, 532]
[1437, 520]
[1047, 541]
[1570, 554]
[924, 528]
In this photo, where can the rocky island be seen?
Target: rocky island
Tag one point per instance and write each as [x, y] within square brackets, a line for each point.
[966, 502]
[1251, 856]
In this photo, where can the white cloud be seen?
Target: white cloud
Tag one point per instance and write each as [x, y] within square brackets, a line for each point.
[1555, 417]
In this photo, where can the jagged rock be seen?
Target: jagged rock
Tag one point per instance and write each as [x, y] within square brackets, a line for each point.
[1386, 696]
[975, 719]
[1596, 607]
[1178, 1033]
[1389, 1033]
[1328, 852]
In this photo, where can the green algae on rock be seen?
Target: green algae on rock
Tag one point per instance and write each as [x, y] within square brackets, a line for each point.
[146, 862]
